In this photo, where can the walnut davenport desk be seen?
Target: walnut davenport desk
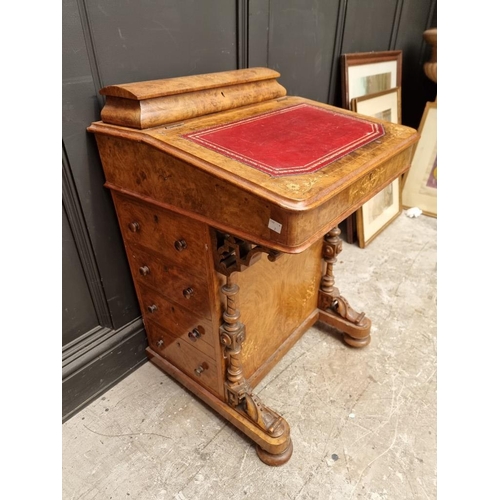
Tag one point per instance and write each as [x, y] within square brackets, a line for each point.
[228, 194]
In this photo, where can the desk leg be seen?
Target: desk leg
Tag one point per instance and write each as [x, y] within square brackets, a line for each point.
[333, 308]
[276, 448]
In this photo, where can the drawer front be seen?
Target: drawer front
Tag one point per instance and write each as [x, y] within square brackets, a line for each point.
[180, 239]
[191, 361]
[170, 280]
[174, 318]
[197, 342]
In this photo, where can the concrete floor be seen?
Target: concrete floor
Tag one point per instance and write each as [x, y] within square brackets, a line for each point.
[363, 422]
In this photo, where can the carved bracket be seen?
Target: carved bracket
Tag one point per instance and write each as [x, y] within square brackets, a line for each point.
[268, 420]
[339, 305]
[233, 254]
[337, 311]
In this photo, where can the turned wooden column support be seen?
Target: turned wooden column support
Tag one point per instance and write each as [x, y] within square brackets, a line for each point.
[238, 391]
[232, 335]
[334, 308]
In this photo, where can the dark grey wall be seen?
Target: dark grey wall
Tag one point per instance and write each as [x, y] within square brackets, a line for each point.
[107, 42]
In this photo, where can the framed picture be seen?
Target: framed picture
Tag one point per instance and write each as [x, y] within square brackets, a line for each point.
[385, 105]
[365, 73]
[378, 212]
[420, 183]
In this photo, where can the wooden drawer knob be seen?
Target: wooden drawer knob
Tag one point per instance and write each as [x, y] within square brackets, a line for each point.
[180, 245]
[194, 335]
[188, 292]
[200, 369]
[144, 270]
[134, 227]
[152, 308]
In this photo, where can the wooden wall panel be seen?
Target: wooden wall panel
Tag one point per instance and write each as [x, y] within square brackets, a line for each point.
[301, 42]
[80, 107]
[150, 39]
[258, 33]
[369, 25]
[78, 313]
[104, 43]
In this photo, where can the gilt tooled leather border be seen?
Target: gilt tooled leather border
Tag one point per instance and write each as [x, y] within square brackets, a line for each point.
[296, 140]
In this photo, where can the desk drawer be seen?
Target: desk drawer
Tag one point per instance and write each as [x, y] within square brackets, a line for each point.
[174, 318]
[170, 280]
[180, 239]
[185, 357]
[198, 343]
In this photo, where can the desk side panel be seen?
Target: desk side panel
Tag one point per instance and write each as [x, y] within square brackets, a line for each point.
[145, 172]
[275, 298]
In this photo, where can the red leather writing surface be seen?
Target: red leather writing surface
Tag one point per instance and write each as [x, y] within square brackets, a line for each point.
[291, 141]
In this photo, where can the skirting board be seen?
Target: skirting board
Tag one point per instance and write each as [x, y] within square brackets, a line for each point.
[103, 368]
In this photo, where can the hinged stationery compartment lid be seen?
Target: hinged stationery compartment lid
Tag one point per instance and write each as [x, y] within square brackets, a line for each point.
[148, 104]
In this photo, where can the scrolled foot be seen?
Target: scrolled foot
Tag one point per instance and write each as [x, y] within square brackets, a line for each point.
[272, 459]
[355, 335]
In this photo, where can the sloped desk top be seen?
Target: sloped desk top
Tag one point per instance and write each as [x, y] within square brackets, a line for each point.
[176, 169]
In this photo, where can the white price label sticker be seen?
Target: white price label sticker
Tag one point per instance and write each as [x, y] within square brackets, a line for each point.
[274, 226]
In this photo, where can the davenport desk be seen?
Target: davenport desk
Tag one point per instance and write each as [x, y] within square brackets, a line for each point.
[228, 194]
